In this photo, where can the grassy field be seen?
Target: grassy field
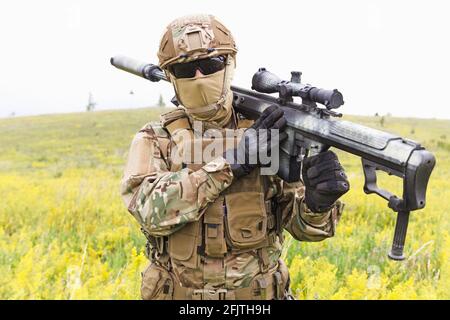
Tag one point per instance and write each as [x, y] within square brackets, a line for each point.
[65, 234]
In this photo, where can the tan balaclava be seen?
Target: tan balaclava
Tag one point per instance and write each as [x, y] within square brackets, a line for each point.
[207, 97]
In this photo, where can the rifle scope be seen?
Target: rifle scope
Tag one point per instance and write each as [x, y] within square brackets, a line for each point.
[267, 82]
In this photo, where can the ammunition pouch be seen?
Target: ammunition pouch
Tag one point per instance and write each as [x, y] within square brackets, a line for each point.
[213, 223]
[183, 245]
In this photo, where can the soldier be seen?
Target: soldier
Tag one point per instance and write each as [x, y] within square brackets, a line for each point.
[215, 228]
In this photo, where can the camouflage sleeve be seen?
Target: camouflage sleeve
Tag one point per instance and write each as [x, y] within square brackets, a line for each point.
[298, 220]
[163, 201]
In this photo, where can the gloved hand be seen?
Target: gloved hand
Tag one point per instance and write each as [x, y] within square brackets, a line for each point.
[256, 141]
[325, 181]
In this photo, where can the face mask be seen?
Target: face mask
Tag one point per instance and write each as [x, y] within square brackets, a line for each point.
[203, 97]
[200, 91]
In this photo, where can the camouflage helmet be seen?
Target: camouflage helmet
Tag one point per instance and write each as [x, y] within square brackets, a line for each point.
[194, 37]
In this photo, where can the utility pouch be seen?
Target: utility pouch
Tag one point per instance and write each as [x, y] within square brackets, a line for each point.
[246, 219]
[183, 244]
[157, 283]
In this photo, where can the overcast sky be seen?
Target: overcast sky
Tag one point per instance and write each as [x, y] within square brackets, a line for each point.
[384, 56]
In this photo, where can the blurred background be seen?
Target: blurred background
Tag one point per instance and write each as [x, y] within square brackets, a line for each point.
[384, 56]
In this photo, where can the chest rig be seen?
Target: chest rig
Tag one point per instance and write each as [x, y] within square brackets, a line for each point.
[241, 219]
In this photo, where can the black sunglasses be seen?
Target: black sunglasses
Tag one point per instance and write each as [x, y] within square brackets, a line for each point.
[206, 66]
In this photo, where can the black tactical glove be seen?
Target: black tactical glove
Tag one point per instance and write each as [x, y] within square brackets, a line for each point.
[257, 141]
[325, 181]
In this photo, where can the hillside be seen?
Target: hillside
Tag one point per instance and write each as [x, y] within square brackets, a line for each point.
[65, 234]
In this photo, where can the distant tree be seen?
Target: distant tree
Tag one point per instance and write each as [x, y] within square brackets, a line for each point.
[12, 114]
[161, 102]
[91, 103]
[377, 115]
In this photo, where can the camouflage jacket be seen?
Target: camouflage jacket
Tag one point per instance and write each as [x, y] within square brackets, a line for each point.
[163, 198]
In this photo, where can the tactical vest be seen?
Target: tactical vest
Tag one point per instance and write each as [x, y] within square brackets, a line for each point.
[241, 219]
